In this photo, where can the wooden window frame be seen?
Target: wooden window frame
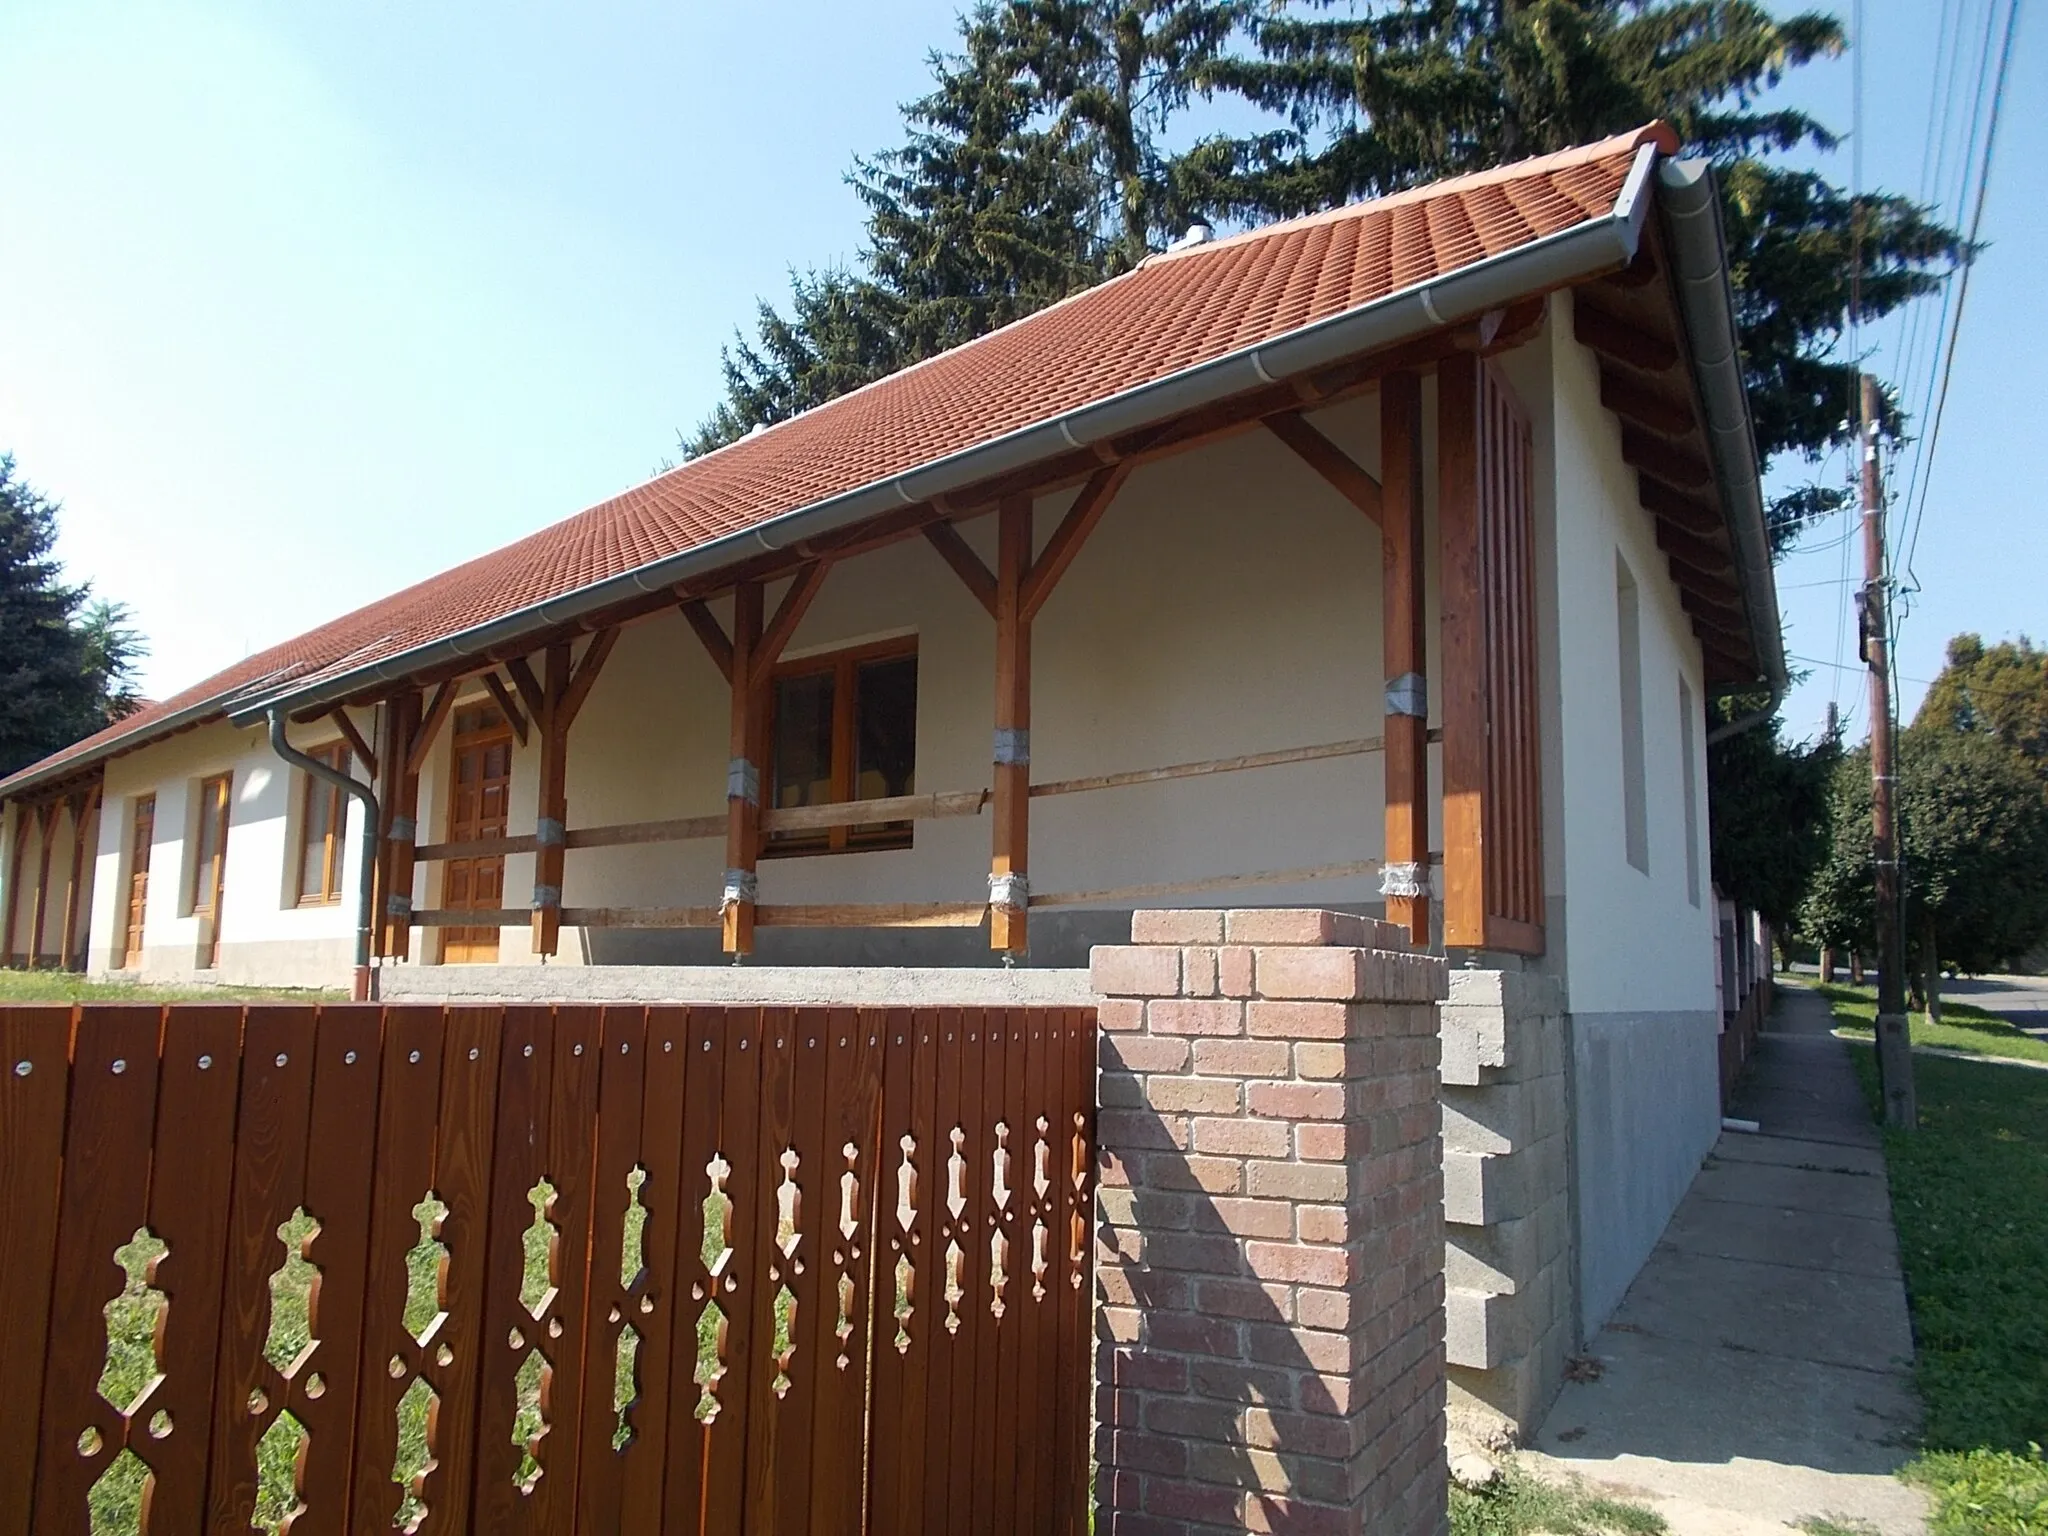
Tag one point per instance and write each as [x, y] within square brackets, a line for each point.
[200, 866]
[844, 665]
[335, 755]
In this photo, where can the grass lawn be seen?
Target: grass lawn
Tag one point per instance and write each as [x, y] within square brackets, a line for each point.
[1962, 1027]
[1970, 1196]
[69, 987]
[1520, 1505]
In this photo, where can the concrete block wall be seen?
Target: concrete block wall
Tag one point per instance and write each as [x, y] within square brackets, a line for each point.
[1508, 1272]
[1269, 1258]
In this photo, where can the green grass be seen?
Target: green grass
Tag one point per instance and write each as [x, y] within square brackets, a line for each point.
[70, 987]
[1962, 1027]
[1970, 1196]
[1518, 1504]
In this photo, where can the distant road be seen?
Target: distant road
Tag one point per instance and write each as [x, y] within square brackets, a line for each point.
[2021, 999]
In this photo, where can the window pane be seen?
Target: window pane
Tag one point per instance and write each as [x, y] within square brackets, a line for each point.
[313, 846]
[885, 754]
[803, 741]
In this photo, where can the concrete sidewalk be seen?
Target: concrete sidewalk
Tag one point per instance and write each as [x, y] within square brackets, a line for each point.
[1756, 1374]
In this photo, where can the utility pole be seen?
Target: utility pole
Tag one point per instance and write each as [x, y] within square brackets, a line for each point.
[1894, 1046]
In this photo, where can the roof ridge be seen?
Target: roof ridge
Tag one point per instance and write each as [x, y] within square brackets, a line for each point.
[1656, 132]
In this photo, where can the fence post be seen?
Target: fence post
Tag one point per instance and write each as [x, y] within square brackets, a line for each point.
[1270, 1318]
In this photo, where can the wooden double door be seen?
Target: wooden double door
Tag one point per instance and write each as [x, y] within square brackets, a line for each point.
[480, 793]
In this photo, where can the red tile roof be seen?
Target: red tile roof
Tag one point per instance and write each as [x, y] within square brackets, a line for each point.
[1173, 312]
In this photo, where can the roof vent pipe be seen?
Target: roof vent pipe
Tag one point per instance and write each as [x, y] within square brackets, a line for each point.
[1198, 234]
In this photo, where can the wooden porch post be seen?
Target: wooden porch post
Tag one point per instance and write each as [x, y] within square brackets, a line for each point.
[1009, 884]
[46, 833]
[82, 808]
[1463, 621]
[13, 912]
[550, 827]
[400, 797]
[1404, 875]
[743, 775]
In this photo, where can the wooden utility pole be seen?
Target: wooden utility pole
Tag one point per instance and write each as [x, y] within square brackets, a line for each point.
[1894, 1048]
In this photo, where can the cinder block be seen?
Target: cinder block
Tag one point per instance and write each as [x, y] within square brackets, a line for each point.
[1475, 1325]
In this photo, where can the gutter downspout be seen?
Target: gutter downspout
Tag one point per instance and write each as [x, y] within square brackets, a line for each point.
[365, 988]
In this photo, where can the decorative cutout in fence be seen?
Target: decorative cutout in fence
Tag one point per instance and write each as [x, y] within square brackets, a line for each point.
[549, 1270]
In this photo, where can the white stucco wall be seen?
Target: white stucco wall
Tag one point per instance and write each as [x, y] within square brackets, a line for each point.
[266, 937]
[1637, 952]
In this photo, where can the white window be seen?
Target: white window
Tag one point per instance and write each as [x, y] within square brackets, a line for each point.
[1629, 641]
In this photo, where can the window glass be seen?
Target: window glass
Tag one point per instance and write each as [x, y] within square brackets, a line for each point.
[885, 759]
[845, 728]
[322, 824]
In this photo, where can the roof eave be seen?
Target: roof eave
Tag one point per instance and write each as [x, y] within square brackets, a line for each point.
[1706, 304]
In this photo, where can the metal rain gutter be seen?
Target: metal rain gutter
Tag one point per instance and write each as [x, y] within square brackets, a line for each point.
[1550, 262]
[1692, 216]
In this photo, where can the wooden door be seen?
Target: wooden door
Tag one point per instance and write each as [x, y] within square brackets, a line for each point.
[478, 798]
[210, 868]
[140, 840]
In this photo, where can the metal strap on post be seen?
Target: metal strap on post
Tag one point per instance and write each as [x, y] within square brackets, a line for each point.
[742, 781]
[1011, 892]
[1012, 746]
[1408, 695]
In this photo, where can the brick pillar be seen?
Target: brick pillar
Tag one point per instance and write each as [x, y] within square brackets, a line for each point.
[1270, 1327]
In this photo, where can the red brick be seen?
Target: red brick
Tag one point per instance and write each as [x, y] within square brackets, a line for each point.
[1322, 1224]
[1181, 1500]
[1210, 1175]
[1327, 1059]
[1128, 970]
[1234, 971]
[1245, 1298]
[1318, 1182]
[1298, 1021]
[1327, 1143]
[1198, 972]
[1290, 1261]
[1143, 1053]
[1335, 974]
[1246, 1218]
[1243, 1138]
[1120, 1016]
[1194, 1095]
[1296, 1101]
[1127, 1129]
[1293, 925]
[1190, 925]
[1243, 1058]
[1198, 1017]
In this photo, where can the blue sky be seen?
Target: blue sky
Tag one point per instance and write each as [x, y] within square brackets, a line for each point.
[300, 304]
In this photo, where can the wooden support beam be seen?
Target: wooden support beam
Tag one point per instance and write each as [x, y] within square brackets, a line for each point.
[429, 727]
[710, 634]
[1328, 460]
[354, 738]
[398, 798]
[551, 819]
[46, 835]
[744, 774]
[584, 678]
[520, 670]
[1664, 461]
[1462, 617]
[788, 614]
[1638, 406]
[507, 705]
[1066, 541]
[12, 916]
[1404, 643]
[966, 564]
[1010, 858]
[1677, 508]
[1612, 336]
[1708, 559]
[1500, 329]
[82, 806]
[1639, 273]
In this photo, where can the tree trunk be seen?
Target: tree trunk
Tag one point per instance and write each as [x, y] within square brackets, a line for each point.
[1855, 967]
[1930, 955]
[1827, 963]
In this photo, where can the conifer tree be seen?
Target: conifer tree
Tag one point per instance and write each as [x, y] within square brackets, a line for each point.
[1421, 89]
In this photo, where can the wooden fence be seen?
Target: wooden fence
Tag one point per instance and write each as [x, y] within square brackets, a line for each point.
[545, 1269]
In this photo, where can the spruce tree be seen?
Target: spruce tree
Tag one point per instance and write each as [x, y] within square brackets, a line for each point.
[64, 659]
[1421, 89]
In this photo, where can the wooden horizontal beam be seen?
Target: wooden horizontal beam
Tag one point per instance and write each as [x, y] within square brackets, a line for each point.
[1356, 869]
[463, 917]
[1632, 403]
[1355, 748]
[1336, 466]
[1677, 508]
[1703, 555]
[966, 564]
[1663, 461]
[1639, 273]
[1612, 336]
[861, 813]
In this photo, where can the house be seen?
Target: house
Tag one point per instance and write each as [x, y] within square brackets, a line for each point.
[1385, 559]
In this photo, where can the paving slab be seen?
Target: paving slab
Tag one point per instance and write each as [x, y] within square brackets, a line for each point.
[1758, 1373]
[1779, 1235]
[1793, 1187]
[1798, 1152]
